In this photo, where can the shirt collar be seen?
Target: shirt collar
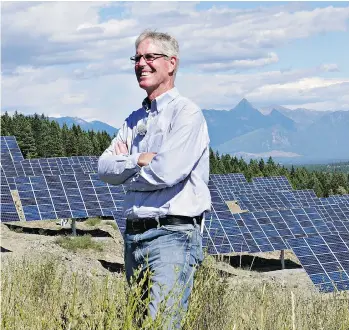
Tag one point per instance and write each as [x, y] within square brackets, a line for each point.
[160, 102]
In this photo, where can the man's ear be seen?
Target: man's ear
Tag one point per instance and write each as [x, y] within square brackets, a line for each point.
[173, 63]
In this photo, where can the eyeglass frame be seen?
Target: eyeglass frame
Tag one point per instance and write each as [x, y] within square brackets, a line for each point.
[135, 61]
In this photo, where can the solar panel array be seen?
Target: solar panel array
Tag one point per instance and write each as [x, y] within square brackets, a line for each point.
[277, 217]
[67, 196]
[15, 165]
[325, 258]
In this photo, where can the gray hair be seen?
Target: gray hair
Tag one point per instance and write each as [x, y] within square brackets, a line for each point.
[167, 44]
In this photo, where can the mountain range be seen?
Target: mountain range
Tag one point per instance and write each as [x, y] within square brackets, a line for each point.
[289, 136]
[95, 125]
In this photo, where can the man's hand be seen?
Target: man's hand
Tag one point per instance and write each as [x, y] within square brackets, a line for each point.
[145, 158]
[121, 148]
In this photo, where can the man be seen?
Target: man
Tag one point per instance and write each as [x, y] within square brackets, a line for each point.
[161, 156]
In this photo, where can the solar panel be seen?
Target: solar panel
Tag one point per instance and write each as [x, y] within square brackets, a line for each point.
[266, 201]
[272, 182]
[10, 147]
[325, 258]
[297, 194]
[10, 153]
[228, 178]
[35, 198]
[110, 198]
[67, 196]
[120, 219]
[268, 230]
[221, 232]
[335, 199]
[8, 208]
[336, 216]
[54, 166]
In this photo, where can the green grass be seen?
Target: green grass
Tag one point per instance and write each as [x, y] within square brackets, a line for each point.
[111, 223]
[93, 222]
[79, 242]
[42, 294]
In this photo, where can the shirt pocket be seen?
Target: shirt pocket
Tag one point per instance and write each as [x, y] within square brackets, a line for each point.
[155, 140]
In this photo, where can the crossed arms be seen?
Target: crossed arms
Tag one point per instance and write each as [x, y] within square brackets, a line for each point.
[178, 155]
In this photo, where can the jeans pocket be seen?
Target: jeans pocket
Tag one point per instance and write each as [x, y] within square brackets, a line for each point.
[175, 246]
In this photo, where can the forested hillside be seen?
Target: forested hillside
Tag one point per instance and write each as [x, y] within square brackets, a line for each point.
[37, 136]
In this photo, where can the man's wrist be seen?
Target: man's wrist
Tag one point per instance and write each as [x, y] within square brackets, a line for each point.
[132, 161]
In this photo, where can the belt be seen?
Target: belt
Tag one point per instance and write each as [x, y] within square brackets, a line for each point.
[138, 226]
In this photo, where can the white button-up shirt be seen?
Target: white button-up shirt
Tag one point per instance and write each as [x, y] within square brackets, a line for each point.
[175, 181]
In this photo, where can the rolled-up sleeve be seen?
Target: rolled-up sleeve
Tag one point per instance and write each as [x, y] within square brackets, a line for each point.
[116, 169]
[178, 155]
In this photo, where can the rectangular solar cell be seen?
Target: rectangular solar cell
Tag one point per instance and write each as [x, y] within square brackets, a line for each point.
[325, 258]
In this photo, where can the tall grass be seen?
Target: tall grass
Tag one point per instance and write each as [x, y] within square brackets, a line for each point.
[44, 295]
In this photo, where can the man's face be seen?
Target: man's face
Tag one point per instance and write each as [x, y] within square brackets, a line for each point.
[155, 75]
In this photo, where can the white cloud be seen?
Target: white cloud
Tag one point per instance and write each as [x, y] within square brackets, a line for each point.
[239, 64]
[65, 58]
[330, 67]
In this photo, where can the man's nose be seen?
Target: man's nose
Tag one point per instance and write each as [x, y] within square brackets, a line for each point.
[142, 61]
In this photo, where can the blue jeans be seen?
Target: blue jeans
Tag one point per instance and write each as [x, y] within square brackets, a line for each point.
[172, 254]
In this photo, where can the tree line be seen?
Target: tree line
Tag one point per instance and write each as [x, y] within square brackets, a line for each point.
[323, 183]
[40, 137]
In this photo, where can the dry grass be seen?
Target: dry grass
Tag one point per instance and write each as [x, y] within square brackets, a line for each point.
[79, 242]
[44, 295]
[111, 223]
[93, 222]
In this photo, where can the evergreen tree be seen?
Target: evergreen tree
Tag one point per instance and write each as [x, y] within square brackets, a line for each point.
[315, 184]
[254, 169]
[24, 136]
[6, 125]
[56, 141]
[43, 141]
[261, 165]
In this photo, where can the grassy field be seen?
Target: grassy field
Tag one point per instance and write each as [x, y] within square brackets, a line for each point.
[44, 295]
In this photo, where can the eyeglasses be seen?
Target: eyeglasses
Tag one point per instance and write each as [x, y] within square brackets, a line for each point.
[148, 57]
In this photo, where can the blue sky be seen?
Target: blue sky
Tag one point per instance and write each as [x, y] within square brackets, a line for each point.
[72, 58]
